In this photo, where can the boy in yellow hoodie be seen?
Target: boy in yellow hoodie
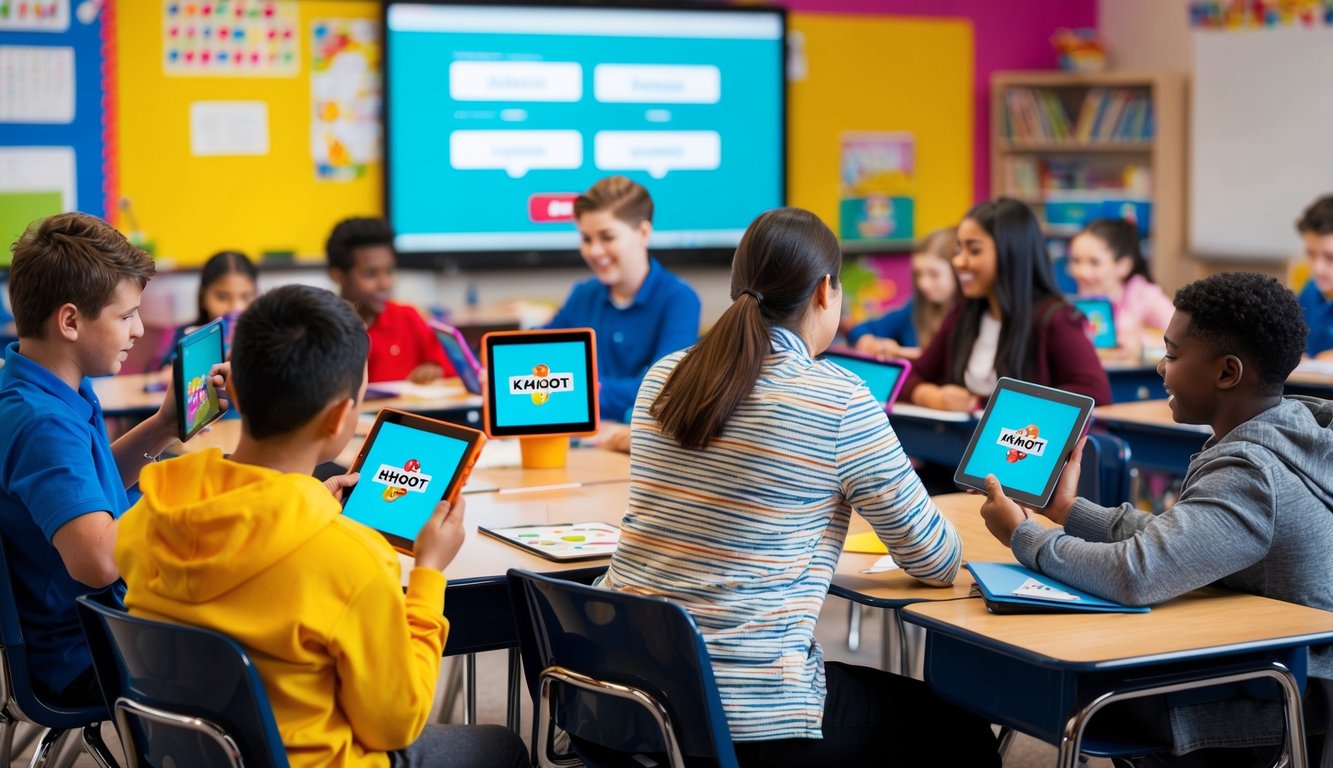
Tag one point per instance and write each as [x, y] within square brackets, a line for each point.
[256, 548]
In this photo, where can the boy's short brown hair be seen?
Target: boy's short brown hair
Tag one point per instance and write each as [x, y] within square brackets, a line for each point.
[70, 258]
[1318, 218]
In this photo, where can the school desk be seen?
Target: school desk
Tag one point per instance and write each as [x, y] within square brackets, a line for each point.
[932, 435]
[1047, 674]
[1156, 441]
[139, 395]
[499, 466]
[1132, 381]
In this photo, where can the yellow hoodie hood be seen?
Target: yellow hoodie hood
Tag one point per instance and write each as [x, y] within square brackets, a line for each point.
[212, 524]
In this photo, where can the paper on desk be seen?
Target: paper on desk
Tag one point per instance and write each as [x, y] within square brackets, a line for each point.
[1316, 367]
[881, 565]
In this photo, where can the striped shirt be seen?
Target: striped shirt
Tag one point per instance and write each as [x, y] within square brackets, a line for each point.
[745, 534]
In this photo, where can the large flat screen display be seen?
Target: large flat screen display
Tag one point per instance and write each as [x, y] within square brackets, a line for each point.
[498, 116]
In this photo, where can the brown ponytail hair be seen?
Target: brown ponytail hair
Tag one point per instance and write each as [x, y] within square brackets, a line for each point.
[782, 258]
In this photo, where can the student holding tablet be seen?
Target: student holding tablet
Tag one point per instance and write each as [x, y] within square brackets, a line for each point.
[1012, 320]
[640, 311]
[1105, 260]
[1253, 513]
[254, 547]
[742, 525]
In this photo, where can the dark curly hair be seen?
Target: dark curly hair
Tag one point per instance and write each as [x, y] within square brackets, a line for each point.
[1249, 315]
[1318, 218]
[353, 233]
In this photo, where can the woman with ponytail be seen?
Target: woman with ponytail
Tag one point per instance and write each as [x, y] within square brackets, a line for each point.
[749, 456]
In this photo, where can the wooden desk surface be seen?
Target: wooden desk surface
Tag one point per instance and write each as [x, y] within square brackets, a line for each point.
[126, 394]
[1149, 412]
[498, 467]
[896, 587]
[1210, 620]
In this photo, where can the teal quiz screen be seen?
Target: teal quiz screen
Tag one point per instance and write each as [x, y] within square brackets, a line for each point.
[1022, 441]
[880, 378]
[526, 108]
[540, 384]
[402, 479]
[1100, 319]
[197, 359]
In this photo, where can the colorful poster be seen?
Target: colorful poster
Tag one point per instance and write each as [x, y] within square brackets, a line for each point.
[34, 15]
[231, 38]
[36, 84]
[878, 179]
[345, 97]
[1234, 15]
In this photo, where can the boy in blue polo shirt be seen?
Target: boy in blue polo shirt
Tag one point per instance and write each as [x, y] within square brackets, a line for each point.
[1316, 228]
[74, 287]
[640, 311]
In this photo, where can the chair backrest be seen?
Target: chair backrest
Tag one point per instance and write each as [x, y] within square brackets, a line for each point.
[1105, 477]
[16, 692]
[182, 695]
[648, 644]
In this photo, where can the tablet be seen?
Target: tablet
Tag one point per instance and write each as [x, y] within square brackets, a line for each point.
[1024, 438]
[197, 403]
[408, 464]
[561, 542]
[540, 383]
[884, 377]
[460, 356]
[1101, 320]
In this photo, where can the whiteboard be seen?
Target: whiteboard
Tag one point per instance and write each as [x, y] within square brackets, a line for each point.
[1261, 137]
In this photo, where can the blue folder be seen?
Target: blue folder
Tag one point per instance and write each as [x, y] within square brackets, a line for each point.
[997, 582]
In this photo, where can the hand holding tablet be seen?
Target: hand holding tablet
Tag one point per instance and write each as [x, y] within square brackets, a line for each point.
[1025, 436]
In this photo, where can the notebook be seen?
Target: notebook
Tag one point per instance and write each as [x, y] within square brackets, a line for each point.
[1012, 588]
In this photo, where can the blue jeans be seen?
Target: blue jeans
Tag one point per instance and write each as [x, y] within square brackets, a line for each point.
[463, 746]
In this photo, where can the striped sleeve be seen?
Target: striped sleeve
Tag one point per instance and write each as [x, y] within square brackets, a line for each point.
[880, 484]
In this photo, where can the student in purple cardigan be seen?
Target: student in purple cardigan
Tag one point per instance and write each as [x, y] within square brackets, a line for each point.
[1012, 320]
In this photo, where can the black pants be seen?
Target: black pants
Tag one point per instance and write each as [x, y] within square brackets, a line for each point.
[875, 718]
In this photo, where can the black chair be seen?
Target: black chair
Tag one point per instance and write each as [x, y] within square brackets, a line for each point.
[181, 695]
[628, 678]
[19, 703]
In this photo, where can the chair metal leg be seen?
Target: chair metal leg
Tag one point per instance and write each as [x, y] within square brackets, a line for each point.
[470, 689]
[512, 700]
[453, 687]
[25, 735]
[891, 657]
[1072, 738]
[48, 747]
[854, 626]
[96, 747]
[7, 728]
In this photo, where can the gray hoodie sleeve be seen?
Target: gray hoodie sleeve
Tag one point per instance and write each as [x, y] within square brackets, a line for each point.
[1222, 523]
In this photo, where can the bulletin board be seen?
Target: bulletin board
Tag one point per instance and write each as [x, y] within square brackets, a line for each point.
[51, 90]
[190, 192]
[852, 74]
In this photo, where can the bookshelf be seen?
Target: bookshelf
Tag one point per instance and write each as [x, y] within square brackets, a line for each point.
[1079, 146]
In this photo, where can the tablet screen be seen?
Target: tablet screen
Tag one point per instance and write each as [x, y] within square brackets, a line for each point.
[1101, 320]
[884, 378]
[1023, 439]
[196, 398]
[541, 383]
[403, 476]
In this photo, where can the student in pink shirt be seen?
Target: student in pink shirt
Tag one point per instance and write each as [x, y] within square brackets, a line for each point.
[1105, 260]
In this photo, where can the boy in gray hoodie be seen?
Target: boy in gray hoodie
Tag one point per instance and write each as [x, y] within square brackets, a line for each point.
[1255, 511]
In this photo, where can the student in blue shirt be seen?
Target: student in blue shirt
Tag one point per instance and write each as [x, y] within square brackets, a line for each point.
[1316, 228]
[640, 311]
[74, 287]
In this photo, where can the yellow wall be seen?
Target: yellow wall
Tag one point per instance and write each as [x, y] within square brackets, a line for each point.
[874, 73]
[192, 206]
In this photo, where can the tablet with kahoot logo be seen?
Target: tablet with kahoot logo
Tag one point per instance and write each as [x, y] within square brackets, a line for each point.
[540, 383]
[1101, 320]
[408, 464]
[1024, 438]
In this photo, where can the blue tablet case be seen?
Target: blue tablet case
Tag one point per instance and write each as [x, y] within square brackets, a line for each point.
[999, 580]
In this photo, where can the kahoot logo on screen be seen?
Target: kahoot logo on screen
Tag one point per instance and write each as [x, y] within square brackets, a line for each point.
[541, 384]
[1021, 443]
[398, 481]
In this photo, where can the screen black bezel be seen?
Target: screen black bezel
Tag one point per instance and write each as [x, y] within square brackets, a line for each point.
[1083, 403]
[203, 333]
[565, 257]
[474, 439]
[490, 341]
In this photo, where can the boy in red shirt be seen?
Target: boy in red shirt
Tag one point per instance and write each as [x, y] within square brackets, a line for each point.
[362, 263]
